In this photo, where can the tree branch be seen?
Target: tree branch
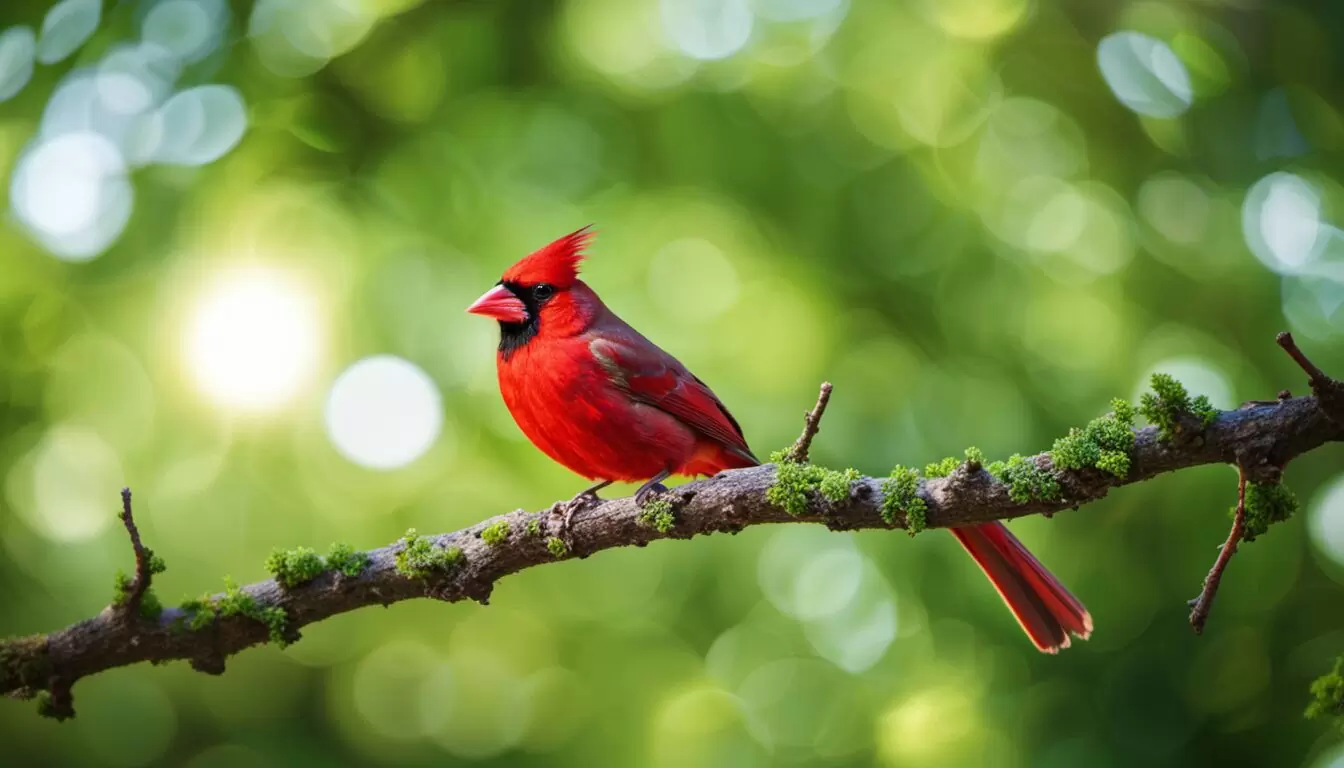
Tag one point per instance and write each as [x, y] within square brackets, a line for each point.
[1259, 438]
[1199, 613]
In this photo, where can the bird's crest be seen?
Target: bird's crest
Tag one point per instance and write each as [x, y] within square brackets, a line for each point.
[557, 263]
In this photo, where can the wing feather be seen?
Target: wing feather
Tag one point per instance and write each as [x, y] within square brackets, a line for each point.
[652, 376]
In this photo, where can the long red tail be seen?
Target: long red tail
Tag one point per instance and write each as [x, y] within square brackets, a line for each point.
[1042, 605]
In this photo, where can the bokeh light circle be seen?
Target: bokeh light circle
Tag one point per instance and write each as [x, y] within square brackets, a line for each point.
[72, 470]
[693, 267]
[796, 10]
[1145, 74]
[1326, 520]
[66, 27]
[1281, 221]
[798, 704]
[975, 19]
[383, 413]
[18, 51]
[72, 194]
[707, 29]
[857, 636]
[201, 125]
[1178, 208]
[294, 38]
[1314, 304]
[253, 340]
[385, 684]
[791, 568]
[184, 27]
[132, 79]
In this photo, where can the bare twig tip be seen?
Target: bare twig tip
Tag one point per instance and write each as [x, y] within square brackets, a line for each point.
[1200, 606]
[811, 425]
[140, 584]
[1314, 374]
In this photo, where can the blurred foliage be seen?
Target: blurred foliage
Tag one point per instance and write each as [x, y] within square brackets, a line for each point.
[981, 219]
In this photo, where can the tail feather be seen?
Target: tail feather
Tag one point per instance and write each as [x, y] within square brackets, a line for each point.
[1044, 607]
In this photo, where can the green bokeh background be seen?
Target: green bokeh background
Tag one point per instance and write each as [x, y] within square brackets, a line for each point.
[939, 206]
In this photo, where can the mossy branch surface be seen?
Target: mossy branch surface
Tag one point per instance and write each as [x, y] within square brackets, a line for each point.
[1260, 437]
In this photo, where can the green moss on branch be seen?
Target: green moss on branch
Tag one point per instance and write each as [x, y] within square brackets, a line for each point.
[942, 467]
[835, 485]
[496, 533]
[657, 514]
[1169, 401]
[202, 613]
[1266, 504]
[1327, 693]
[901, 499]
[123, 586]
[1106, 443]
[293, 567]
[1025, 480]
[557, 547]
[346, 560]
[198, 613]
[421, 558]
[975, 459]
[236, 602]
[795, 482]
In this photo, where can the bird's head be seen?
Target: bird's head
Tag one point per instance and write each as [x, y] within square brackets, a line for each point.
[539, 284]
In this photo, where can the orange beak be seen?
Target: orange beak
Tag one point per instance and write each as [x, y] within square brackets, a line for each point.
[500, 303]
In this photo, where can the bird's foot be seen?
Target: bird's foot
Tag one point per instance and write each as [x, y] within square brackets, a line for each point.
[567, 509]
[647, 491]
[652, 488]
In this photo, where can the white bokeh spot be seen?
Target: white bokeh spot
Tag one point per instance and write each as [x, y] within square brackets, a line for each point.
[1145, 74]
[187, 28]
[67, 26]
[200, 125]
[18, 51]
[1281, 221]
[383, 413]
[1325, 520]
[707, 29]
[72, 194]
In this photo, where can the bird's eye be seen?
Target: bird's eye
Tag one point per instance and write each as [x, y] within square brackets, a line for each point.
[543, 292]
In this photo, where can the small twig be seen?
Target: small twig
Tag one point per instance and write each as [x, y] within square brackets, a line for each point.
[1329, 391]
[811, 425]
[1200, 606]
[142, 575]
[1314, 374]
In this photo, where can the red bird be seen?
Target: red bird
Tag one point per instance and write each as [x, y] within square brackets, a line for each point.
[599, 398]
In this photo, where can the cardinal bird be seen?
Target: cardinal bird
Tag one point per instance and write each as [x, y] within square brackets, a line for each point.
[607, 403]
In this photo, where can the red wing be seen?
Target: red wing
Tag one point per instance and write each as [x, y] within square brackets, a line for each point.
[652, 376]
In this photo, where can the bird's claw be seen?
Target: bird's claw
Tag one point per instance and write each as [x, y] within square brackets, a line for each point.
[567, 509]
[645, 494]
